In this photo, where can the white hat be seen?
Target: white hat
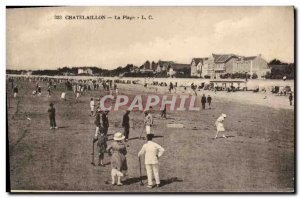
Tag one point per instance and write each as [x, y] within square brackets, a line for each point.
[224, 115]
[119, 136]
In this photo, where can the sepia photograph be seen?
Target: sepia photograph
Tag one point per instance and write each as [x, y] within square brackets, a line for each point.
[186, 99]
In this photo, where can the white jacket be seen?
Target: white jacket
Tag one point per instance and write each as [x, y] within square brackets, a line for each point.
[152, 152]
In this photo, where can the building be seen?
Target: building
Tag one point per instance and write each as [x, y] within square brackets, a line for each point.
[196, 67]
[163, 65]
[87, 71]
[202, 67]
[217, 64]
[251, 65]
[177, 68]
[208, 67]
[146, 68]
[29, 73]
[223, 62]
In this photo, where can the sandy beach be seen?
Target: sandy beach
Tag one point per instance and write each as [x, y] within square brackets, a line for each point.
[257, 156]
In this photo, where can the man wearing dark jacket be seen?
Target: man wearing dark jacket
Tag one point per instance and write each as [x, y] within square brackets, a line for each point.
[105, 122]
[125, 124]
[51, 112]
[209, 101]
[203, 101]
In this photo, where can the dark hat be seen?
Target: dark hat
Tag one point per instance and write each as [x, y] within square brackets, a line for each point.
[51, 104]
[150, 136]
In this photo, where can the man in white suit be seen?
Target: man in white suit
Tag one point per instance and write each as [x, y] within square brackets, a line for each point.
[153, 152]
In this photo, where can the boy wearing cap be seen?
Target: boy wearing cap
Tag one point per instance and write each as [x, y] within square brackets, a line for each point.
[152, 152]
[220, 125]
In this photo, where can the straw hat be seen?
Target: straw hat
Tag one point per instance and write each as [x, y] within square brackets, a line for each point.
[119, 136]
[224, 115]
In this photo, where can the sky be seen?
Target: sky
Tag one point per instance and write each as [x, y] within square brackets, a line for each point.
[36, 40]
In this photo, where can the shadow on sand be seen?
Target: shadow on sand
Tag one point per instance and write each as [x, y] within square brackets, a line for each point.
[134, 180]
[162, 182]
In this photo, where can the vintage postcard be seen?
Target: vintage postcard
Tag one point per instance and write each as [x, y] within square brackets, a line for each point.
[150, 99]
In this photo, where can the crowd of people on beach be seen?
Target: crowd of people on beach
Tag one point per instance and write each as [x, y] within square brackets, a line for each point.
[118, 148]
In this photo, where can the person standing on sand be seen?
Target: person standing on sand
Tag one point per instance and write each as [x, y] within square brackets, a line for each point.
[118, 152]
[152, 152]
[105, 122]
[164, 112]
[125, 124]
[16, 90]
[101, 140]
[39, 90]
[209, 101]
[291, 99]
[92, 106]
[51, 112]
[49, 91]
[220, 125]
[97, 121]
[203, 101]
[148, 121]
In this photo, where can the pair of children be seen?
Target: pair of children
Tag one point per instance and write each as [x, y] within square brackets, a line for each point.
[117, 150]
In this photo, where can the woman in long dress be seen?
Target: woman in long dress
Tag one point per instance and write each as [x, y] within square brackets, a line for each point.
[118, 158]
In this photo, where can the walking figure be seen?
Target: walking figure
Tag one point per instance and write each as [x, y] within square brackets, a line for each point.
[209, 101]
[220, 125]
[164, 112]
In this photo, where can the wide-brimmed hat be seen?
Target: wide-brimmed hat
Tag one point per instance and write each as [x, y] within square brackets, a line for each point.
[224, 115]
[119, 136]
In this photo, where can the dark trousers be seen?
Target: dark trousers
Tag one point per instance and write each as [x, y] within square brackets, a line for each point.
[105, 129]
[52, 121]
[209, 104]
[163, 114]
[126, 132]
[203, 105]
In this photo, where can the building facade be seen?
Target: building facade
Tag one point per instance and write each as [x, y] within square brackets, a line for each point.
[251, 65]
[219, 64]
